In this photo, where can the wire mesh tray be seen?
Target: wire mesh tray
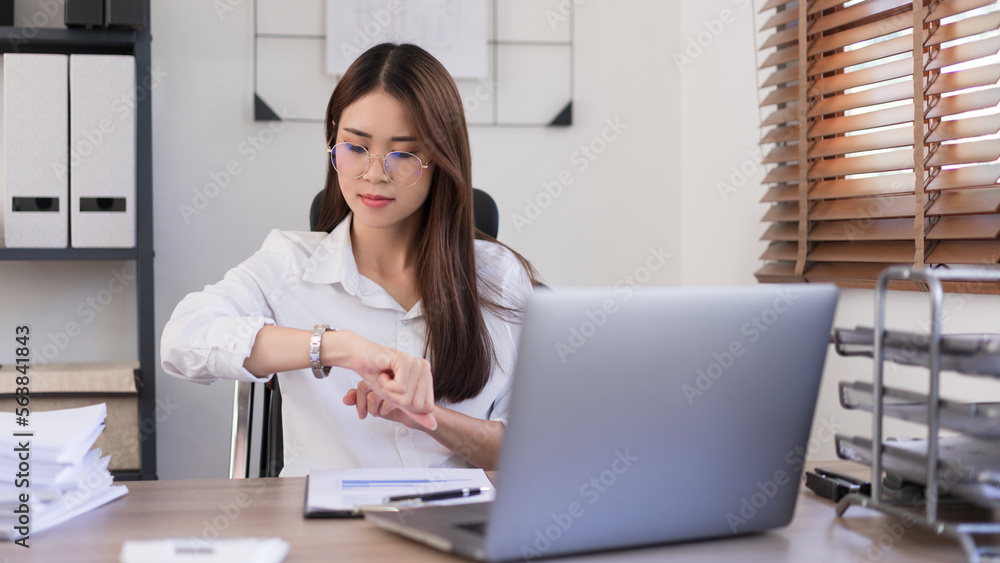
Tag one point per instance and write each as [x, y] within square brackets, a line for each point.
[981, 420]
[967, 468]
[972, 354]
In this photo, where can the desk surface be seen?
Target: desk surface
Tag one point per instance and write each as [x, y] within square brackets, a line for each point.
[273, 507]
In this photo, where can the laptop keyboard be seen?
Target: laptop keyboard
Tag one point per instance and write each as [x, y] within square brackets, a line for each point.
[478, 528]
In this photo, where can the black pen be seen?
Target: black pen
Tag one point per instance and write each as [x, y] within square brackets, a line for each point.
[440, 495]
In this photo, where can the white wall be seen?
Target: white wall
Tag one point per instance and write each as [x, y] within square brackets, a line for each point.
[721, 217]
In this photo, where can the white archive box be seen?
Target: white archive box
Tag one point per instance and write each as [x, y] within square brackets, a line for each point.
[36, 179]
[102, 151]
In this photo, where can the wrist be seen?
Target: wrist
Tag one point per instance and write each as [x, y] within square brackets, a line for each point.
[334, 348]
[431, 416]
[436, 413]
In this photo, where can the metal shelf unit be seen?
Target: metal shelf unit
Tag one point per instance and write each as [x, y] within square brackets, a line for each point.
[888, 402]
[137, 44]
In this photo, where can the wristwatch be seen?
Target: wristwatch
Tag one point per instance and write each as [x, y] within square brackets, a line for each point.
[319, 370]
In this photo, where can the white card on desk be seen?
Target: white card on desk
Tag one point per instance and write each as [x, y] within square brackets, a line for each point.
[200, 550]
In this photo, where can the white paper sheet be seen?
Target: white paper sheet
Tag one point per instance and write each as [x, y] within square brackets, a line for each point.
[454, 31]
[58, 514]
[65, 434]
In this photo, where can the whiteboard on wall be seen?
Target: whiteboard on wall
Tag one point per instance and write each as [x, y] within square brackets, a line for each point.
[454, 31]
[529, 63]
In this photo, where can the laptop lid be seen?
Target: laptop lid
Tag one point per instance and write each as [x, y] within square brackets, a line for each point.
[657, 415]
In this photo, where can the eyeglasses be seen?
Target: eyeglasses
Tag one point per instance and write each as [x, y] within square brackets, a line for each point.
[352, 161]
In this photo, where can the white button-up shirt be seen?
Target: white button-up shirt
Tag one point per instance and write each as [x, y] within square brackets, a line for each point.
[299, 280]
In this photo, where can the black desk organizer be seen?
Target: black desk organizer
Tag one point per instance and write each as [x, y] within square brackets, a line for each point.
[966, 467]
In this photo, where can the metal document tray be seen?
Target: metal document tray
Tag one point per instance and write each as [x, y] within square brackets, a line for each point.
[968, 468]
[971, 354]
[981, 420]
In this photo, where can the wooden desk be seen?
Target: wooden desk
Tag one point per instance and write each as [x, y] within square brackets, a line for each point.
[273, 507]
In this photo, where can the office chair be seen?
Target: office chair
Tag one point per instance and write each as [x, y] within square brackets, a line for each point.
[487, 216]
[271, 454]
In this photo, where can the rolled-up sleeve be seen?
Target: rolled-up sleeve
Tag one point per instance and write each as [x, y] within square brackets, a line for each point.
[211, 332]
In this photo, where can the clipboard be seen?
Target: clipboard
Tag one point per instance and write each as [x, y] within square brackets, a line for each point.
[349, 493]
[314, 511]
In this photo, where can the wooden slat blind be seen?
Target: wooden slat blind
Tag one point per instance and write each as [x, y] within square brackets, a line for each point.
[881, 137]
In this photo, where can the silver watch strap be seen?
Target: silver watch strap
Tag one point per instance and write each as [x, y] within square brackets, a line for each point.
[319, 370]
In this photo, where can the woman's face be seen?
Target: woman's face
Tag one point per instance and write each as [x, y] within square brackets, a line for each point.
[378, 123]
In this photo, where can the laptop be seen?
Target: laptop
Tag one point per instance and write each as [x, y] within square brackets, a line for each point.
[646, 416]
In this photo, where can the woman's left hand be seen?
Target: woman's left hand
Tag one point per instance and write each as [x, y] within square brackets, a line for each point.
[369, 402]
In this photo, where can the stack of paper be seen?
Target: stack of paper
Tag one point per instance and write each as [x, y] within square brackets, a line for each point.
[48, 471]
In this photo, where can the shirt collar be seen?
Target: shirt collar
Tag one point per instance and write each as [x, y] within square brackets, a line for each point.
[333, 262]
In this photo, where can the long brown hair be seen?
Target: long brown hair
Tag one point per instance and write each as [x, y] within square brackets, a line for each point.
[461, 351]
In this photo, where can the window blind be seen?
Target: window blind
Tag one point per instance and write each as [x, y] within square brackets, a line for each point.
[881, 137]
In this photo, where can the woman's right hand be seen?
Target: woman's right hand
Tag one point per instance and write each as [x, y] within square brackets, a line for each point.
[403, 381]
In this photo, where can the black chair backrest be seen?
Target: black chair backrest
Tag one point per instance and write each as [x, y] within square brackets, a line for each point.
[487, 216]
[486, 212]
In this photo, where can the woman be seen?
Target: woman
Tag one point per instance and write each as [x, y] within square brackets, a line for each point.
[425, 307]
